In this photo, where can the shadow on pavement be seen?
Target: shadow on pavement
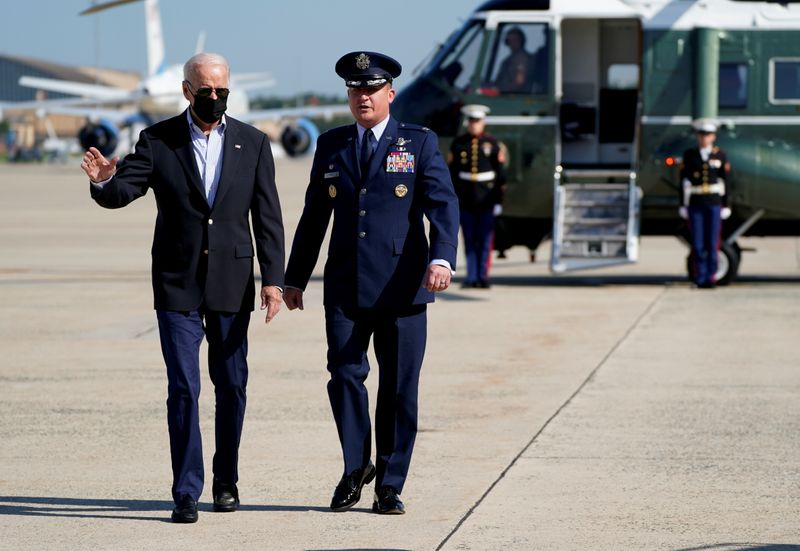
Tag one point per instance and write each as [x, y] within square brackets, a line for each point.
[745, 547]
[600, 281]
[106, 508]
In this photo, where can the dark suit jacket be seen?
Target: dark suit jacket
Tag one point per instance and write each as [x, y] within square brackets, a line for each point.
[201, 253]
[378, 251]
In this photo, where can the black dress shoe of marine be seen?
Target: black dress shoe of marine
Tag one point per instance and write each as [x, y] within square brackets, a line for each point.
[348, 491]
[226, 497]
[387, 502]
[185, 512]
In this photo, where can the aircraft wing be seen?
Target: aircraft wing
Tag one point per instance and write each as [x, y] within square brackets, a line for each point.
[66, 107]
[93, 91]
[325, 111]
[252, 81]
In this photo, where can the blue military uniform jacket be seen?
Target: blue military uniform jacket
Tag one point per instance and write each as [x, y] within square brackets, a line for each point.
[378, 250]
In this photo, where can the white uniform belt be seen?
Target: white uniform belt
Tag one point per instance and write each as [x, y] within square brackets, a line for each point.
[718, 189]
[477, 176]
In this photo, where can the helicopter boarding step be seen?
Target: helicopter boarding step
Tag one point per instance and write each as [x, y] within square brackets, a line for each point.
[595, 218]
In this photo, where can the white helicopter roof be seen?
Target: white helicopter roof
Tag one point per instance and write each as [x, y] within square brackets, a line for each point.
[655, 14]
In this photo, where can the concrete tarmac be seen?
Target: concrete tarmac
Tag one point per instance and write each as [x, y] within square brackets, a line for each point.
[614, 409]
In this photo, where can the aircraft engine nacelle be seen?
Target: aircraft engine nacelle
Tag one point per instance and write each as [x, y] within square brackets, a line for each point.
[102, 134]
[299, 138]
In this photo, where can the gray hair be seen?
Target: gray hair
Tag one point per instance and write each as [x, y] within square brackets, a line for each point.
[200, 59]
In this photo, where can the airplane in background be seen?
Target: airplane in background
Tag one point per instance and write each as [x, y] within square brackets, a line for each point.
[157, 96]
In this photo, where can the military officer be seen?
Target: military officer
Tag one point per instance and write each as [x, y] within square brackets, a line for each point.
[476, 167]
[704, 200]
[378, 177]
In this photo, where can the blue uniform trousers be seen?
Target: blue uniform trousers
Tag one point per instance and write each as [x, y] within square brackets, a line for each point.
[400, 336]
[705, 226]
[181, 334]
[477, 228]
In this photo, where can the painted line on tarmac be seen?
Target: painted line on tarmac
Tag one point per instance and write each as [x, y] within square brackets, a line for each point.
[561, 408]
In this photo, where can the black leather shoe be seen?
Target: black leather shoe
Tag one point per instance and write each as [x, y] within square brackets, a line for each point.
[348, 491]
[387, 502]
[226, 497]
[185, 512]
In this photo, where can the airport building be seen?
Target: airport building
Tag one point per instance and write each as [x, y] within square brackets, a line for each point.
[29, 130]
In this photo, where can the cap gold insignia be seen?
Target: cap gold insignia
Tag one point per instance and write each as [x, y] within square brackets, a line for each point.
[362, 61]
[332, 191]
[401, 190]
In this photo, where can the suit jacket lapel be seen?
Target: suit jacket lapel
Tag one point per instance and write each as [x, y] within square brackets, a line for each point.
[348, 154]
[231, 154]
[182, 146]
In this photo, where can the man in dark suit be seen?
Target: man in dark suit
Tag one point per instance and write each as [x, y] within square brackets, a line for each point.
[378, 177]
[209, 173]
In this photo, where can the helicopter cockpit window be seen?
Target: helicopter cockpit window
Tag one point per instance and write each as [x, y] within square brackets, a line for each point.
[458, 65]
[785, 81]
[518, 63]
[732, 85]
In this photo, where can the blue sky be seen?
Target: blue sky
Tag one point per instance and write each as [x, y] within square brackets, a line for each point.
[299, 41]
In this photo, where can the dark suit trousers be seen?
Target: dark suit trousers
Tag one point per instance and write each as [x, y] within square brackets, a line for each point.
[181, 334]
[400, 336]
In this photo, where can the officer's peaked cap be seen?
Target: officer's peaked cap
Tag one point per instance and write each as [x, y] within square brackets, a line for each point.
[475, 111]
[367, 69]
[705, 125]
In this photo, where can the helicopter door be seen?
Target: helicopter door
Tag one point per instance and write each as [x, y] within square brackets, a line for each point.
[600, 92]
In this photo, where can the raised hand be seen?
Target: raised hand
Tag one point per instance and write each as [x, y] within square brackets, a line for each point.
[97, 167]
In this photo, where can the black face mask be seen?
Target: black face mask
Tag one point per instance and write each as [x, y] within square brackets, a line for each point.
[209, 110]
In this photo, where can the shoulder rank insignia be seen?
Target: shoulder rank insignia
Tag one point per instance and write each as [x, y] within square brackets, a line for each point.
[401, 191]
[332, 191]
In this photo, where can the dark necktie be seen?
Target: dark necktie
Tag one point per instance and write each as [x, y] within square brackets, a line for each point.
[366, 152]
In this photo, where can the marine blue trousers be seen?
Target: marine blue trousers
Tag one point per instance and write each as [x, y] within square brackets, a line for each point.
[477, 228]
[705, 227]
[181, 334]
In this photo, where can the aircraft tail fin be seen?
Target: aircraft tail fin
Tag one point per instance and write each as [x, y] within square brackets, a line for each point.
[201, 43]
[155, 38]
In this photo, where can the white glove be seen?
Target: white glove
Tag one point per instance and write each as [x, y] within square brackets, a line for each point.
[725, 213]
[683, 212]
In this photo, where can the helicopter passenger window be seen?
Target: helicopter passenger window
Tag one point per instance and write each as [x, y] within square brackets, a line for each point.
[786, 81]
[732, 85]
[458, 65]
[518, 62]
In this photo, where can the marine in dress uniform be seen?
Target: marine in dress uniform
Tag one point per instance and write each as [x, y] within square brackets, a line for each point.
[476, 168]
[378, 178]
[704, 200]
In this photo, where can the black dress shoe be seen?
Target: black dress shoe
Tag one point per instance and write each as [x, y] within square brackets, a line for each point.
[226, 497]
[483, 284]
[387, 502]
[348, 491]
[185, 512]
